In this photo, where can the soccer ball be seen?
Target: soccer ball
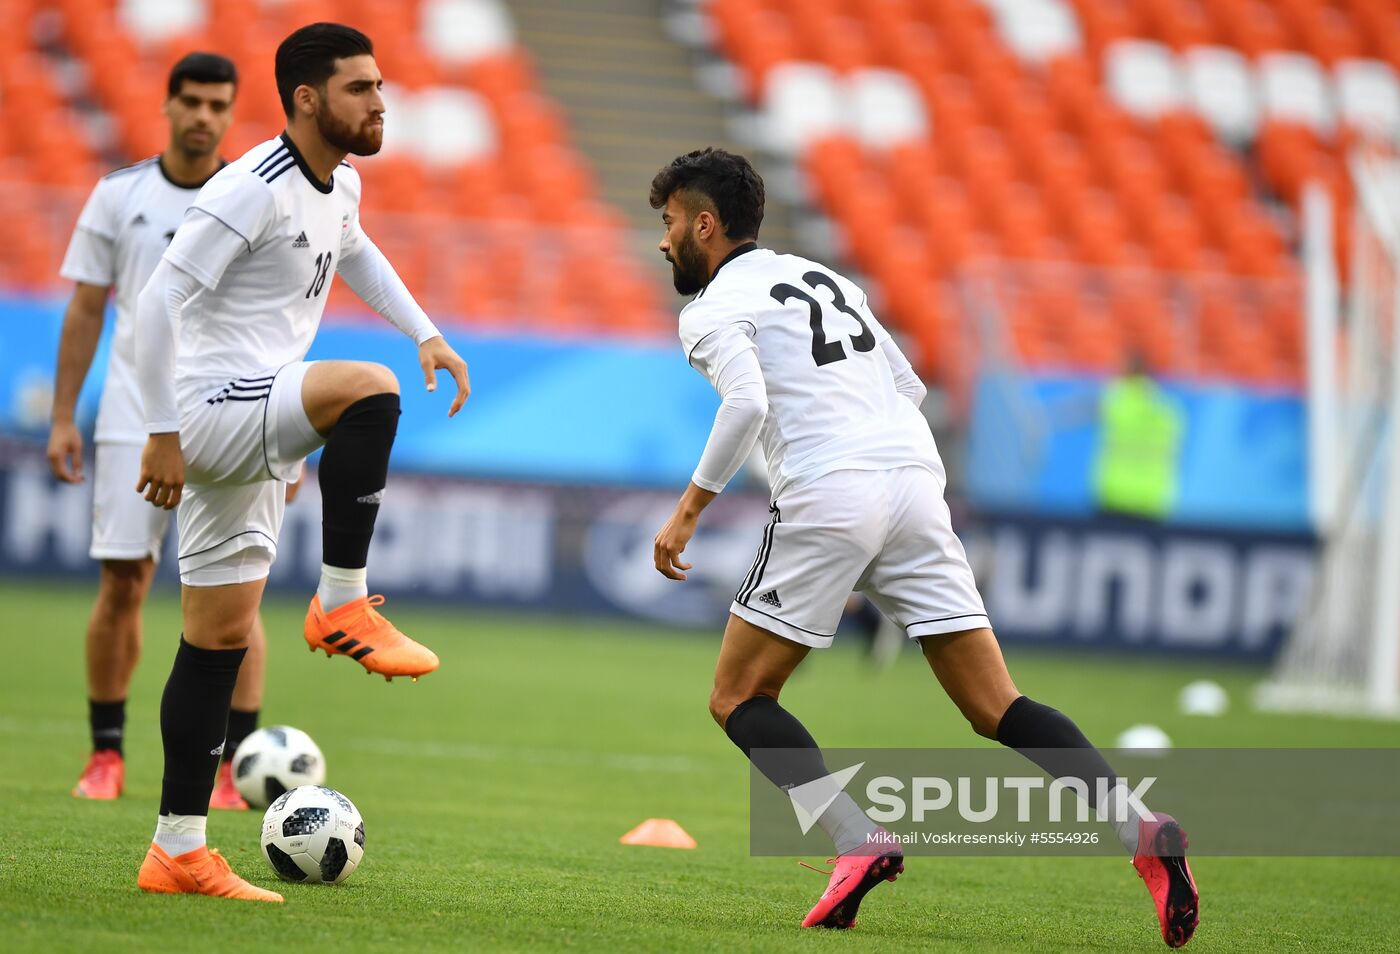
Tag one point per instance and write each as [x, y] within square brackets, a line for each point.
[314, 835]
[274, 760]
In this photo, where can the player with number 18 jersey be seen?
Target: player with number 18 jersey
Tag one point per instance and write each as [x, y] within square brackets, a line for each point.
[232, 409]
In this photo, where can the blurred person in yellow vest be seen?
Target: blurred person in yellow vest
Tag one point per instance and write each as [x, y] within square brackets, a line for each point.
[1140, 440]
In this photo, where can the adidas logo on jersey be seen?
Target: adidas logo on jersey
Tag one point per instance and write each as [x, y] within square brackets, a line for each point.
[771, 598]
[301, 241]
[139, 220]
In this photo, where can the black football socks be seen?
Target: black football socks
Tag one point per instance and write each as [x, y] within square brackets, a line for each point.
[1051, 740]
[782, 749]
[194, 715]
[108, 723]
[241, 723]
[354, 468]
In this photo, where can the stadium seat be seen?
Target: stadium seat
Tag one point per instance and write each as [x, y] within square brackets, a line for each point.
[152, 22]
[884, 108]
[802, 102]
[462, 31]
[1220, 87]
[1037, 31]
[1104, 22]
[1294, 89]
[1143, 78]
[451, 127]
[1368, 96]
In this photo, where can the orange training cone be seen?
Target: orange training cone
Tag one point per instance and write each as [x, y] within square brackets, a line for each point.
[658, 833]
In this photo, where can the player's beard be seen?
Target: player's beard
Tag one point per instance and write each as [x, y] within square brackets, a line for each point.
[688, 272]
[340, 134]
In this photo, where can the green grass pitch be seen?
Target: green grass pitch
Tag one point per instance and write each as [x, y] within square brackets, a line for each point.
[494, 792]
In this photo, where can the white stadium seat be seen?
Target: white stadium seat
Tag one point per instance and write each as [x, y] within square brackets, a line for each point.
[440, 125]
[884, 107]
[1368, 95]
[1143, 78]
[1294, 89]
[801, 102]
[460, 31]
[454, 125]
[151, 21]
[1220, 86]
[1036, 30]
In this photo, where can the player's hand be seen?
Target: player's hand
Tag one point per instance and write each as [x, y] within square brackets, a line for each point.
[162, 470]
[670, 543]
[66, 452]
[435, 354]
[294, 487]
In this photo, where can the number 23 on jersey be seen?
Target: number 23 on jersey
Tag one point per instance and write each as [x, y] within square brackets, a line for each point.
[825, 352]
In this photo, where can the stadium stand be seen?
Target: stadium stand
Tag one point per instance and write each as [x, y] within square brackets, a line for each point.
[479, 197]
[1071, 182]
[1105, 177]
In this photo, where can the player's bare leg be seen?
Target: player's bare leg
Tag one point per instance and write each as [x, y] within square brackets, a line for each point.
[194, 709]
[113, 647]
[242, 716]
[355, 405]
[970, 667]
[752, 662]
[753, 667]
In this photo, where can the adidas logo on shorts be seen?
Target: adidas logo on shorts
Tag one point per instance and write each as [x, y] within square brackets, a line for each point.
[301, 241]
[771, 598]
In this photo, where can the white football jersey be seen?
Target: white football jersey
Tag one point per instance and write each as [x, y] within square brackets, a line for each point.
[832, 402]
[123, 230]
[263, 238]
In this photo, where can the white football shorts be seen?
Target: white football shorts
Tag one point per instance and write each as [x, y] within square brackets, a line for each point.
[886, 533]
[242, 443]
[124, 525]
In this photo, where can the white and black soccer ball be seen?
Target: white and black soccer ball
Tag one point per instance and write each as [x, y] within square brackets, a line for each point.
[313, 835]
[274, 760]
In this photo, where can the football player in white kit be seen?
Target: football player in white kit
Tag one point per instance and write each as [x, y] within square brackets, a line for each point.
[121, 234]
[232, 410]
[802, 364]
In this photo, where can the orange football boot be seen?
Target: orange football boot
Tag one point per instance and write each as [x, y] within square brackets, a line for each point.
[358, 630]
[197, 872]
[225, 793]
[103, 778]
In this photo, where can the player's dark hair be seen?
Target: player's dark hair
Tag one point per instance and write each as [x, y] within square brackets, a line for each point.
[728, 181]
[201, 68]
[307, 57]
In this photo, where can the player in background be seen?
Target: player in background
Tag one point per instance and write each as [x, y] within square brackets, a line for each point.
[800, 361]
[124, 228]
[232, 410]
